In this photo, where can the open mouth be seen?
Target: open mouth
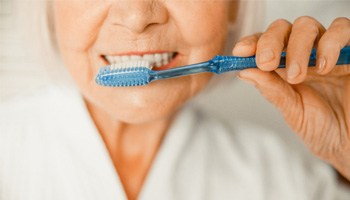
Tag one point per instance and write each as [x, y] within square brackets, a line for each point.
[158, 61]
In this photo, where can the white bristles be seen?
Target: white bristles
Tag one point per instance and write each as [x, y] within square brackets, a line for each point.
[131, 64]
[156, 59]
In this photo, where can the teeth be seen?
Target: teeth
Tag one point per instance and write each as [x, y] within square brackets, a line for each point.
[158, 57]
[148, 57]
[130, 64]
[156, 60]
[135, 57]
[165, 57]
[123, 58]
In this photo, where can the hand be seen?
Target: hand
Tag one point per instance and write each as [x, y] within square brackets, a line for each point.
[315, 102]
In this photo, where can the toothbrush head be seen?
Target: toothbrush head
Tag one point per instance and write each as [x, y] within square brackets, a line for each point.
[124, 74]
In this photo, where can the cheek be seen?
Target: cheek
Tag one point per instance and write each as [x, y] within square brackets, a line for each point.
[203, 23]
[204, 33]
[77, 22]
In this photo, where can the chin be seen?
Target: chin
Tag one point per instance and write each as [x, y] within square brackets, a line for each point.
[149, 107]
[141, 108]
[159, 100]
[136, 105]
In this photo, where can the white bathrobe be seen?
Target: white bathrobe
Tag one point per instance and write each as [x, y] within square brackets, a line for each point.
[50, 149]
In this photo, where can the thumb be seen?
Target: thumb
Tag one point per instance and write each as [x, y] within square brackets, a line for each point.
[277, 91]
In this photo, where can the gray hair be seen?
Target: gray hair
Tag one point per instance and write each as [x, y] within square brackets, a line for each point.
[34, 19]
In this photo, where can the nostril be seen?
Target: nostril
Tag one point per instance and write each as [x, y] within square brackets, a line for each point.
[137, 16]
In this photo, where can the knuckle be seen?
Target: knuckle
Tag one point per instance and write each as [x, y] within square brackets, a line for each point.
[281, 22]
[305, 20]
[340, 25]
[331, 41]
[252, 38]
[248, 40]
[268, 36]
[330, 44]
[242, 40]
[342, 21]
[337, 35]
[307, 24]
[280, 44]
[314, 30]
[270, 39]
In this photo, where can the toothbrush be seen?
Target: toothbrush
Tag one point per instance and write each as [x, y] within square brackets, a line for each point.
[137, 73]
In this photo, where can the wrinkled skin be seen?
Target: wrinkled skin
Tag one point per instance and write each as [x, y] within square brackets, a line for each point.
[314, 102]
[133, 121]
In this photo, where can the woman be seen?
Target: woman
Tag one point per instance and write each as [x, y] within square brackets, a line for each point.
[136, 142]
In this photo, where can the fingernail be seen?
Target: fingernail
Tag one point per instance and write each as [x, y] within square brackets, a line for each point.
[247, 80]
[266, 56]
[294, 71]
[321, 65]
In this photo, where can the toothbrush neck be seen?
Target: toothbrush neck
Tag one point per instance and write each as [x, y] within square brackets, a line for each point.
[182, 71]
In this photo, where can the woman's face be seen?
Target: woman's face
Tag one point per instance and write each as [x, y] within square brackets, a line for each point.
[92, 33]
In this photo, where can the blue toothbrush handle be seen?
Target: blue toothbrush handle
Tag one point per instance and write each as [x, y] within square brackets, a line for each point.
[231, 63]
[344, 56]
[219, 64]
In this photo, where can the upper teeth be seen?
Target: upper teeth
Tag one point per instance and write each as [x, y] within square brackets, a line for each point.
[157, 59]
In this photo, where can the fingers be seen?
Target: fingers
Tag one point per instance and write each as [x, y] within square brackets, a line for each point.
[299, 39]
[246, 46]
[271, 45]
[333, 40]
[267, 47]
[274, 89]
[306, 31]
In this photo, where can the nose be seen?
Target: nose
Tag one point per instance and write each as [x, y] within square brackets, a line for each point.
[138, 15]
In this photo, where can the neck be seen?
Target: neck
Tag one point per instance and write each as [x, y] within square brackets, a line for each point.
[132, 147]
